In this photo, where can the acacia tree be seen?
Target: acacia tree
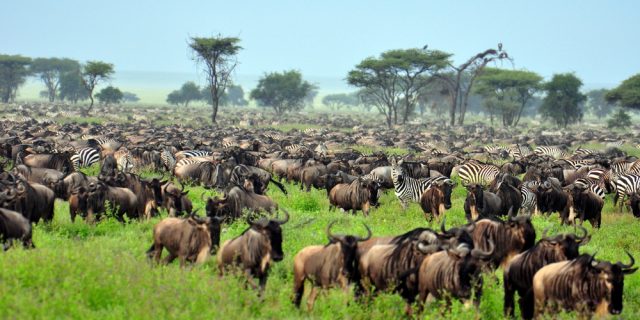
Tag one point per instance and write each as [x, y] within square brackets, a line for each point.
[459, 80]
[283, 92]
[627, 94]
[218, 54]
[72, 88]
[563, 103]
[94, 72]
[507, 92]
[110, 95]
[338, 101]
[597, 103]
[51, 71]
[13, 73]
[392, 82]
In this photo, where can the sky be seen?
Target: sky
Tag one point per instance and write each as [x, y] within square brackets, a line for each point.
[598, 40]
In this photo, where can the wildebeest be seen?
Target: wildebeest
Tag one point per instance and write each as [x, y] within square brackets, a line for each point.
[634, 203]
[14, 226]
[583, 205]
[509, 237]
[584, 284]
[326, 266]
[59, 161]
[360, 194]
[392, 265]
[453, 273]
[33, 200]
[551, 198]
[437, 198]
[191, 239]
[97, 194]
[481, 204]
[253, 250]
[518, 274]
[175, 200]
[240, 198]
[205, 173]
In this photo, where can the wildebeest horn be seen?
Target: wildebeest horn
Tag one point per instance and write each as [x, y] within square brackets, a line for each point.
[627, 266]
[580, 239]
[477, 253]
[427, 249]
[332, 237]
[286, 215]
[368, 234]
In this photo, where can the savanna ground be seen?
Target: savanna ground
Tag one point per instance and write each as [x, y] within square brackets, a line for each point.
[101, 271]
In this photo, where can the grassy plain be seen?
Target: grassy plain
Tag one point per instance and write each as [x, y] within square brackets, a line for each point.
[101, 271]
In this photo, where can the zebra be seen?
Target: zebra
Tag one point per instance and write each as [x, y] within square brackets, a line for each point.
[596, 189]
[295, 148]
[124, 160]
[496, 150]
[477, 173]
[519, 152]
[85, 157]
[626, 184]
[553, 151]
[186, 161]
[529, 198]
[192, 154]
[409, 189]
[577, 164]
[584, 152]
[168, 161]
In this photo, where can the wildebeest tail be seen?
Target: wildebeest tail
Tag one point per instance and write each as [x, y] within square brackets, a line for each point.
[279, 185]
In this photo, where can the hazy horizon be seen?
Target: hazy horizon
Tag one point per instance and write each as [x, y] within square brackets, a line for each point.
[147, 40]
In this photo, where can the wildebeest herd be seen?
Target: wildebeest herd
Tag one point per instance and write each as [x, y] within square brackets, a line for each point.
[507, 181]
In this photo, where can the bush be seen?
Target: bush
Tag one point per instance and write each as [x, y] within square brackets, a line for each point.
[620, 119]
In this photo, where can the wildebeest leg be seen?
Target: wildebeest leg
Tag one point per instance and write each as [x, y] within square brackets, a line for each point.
[168, 259]
[312, 298]
[508, 299]
[526, 303]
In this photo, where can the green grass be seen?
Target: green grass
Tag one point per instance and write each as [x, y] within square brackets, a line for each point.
[101, 271]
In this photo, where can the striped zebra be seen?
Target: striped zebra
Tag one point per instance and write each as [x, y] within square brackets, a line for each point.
[583, 152]
[124, 160]
[187, 161]
[409, 189]
[85, 157]
[296, 148]
[586, 183]
[495, 150]
[529, 198]
[626, 184]
[552, 151]
[601, 177]
[577, 164]
[474, 172]
[192, 154]
[168, 161]
[519, 152]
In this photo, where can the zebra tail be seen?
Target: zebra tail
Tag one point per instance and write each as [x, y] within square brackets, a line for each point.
[279, 185]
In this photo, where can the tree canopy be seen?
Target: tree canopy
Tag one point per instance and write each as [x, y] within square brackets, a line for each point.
[338, 101]
[94, 72]
[51, 71]
[507, 92]
[283, 91]
[234, 96]
[627, 94]
[72, 88]
[188, 92]
[597, 104]
[563, 103]
[218, 54]
[13, 74]
[110, 95]
[393, 81]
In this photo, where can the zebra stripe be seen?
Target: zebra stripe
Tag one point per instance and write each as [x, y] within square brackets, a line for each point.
[195, 153]
[409, 189]
[85, 157]
[552, 151]
[529, 198]
[168, 161]
[477, 173]
[626, 184]
[596, 189]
